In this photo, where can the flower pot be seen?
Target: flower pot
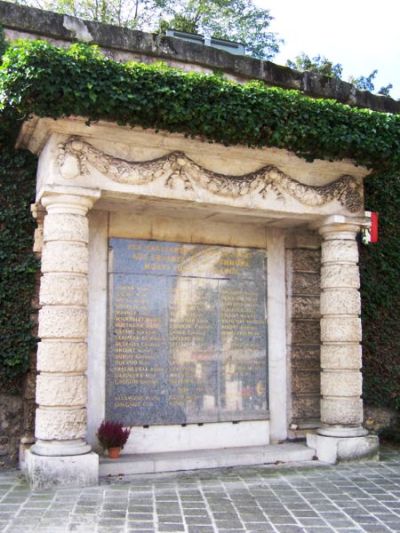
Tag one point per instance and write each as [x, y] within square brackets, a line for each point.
[114, 453]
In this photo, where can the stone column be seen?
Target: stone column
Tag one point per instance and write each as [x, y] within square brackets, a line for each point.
[341, 435]
[61, 392]
[341, 381]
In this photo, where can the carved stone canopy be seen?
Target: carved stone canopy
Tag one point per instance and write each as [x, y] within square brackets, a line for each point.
[166, 174]
[76, 157]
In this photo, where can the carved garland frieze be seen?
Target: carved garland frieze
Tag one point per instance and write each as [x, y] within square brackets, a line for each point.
[76, 155]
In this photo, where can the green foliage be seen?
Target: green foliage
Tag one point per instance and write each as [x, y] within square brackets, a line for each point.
[39, 78]
[3, 44]
[391, 435]
[235, 20]
[380, 291]
[318, 64]
[17, 263]
[367, 83]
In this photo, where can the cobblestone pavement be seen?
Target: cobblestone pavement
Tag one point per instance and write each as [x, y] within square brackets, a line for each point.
[348, 498]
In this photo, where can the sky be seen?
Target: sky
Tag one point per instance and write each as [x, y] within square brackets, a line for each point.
[362, 35]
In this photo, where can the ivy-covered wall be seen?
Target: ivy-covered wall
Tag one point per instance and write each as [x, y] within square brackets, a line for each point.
[18, 267]
[380, 295]
[17, 262]
[38, 78]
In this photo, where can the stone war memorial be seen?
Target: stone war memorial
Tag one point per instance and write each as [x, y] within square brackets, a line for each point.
[202, 290]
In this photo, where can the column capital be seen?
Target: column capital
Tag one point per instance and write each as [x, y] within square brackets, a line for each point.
[341, 227]
[75, 200]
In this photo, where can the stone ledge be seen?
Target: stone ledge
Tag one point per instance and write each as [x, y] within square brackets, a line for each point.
[199, 459]
[45, 24]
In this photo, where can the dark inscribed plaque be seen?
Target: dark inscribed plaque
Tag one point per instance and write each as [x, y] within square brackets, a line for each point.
[187, 333]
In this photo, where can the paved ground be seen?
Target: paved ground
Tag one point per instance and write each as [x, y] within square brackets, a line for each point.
[348, 498]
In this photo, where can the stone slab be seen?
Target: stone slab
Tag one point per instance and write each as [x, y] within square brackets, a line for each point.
[45, 472]
[199, 459]
[175, 438]
[187, 338]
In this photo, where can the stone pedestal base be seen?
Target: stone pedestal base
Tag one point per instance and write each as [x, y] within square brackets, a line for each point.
[335, 449]
[56, 471]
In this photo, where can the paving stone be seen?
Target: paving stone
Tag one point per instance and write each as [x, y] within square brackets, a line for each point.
[49, 529]
[349, 529]
[167, 508]
[307, 521]
[193, 505]
[195, 512]
[21, 529]
[198, 520]
[145, 517]
[317, 529]
[290, 529]
[230, 529]
[282, 519]
[228, 524]
[200, 529]
[347, 498]
[373, 528]
[107, 529]
[304, 513]
[171, 527]
[340, 524]
[169, 518]
[263, 527]
[252, 520]
[140, 529]
[110, 522]
[393, 525]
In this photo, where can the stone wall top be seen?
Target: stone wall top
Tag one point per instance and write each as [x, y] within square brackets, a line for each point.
[22, 21]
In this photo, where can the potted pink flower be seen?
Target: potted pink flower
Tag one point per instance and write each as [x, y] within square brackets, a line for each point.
[112, 437]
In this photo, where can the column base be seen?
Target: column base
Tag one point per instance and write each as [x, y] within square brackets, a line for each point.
[342, 431]
[335, 449]
[60, 448]
[44, 472]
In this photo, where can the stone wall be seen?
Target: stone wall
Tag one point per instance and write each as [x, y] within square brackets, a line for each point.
[11, 410]
[303, 260]
[17, 411]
